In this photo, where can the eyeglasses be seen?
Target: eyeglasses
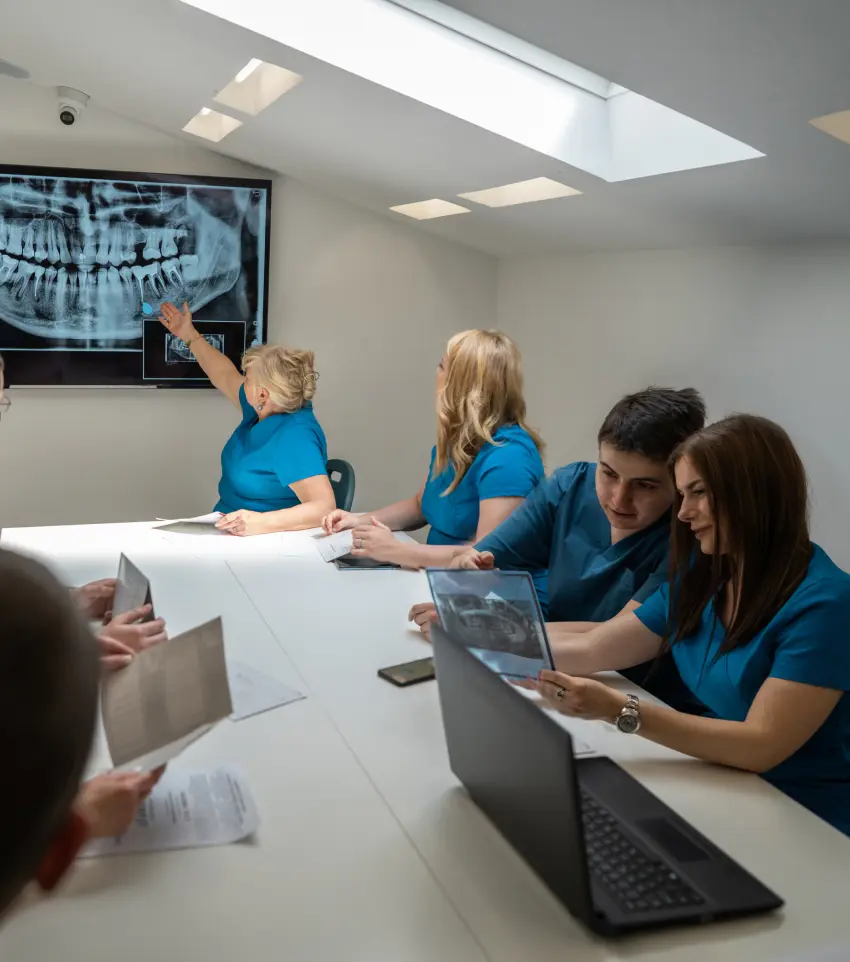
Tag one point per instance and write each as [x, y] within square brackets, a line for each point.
[5, 404]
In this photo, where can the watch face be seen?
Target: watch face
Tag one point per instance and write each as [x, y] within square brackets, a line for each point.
[628, 723]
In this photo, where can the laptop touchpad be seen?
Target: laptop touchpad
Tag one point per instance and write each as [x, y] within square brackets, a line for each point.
[674, 842]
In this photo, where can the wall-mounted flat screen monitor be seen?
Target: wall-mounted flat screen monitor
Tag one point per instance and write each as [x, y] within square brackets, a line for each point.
[87, 257]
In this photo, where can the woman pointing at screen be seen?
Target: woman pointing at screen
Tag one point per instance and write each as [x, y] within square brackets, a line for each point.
[274, 467]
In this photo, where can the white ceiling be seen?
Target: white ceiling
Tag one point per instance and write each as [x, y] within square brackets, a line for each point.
[757, 70]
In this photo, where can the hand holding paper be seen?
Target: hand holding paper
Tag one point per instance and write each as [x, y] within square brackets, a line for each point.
[187, 810]
[334, 546]
[109, 802]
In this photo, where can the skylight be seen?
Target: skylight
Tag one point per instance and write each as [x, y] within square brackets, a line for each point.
[212, 125]
[429, 209]
[523, 192]
[506, 43]
[431, 53]
[256, 86]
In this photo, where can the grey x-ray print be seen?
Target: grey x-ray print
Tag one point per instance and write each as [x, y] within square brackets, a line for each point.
[88, 260]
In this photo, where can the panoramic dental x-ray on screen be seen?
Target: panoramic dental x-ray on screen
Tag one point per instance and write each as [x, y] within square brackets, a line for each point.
[85, 261]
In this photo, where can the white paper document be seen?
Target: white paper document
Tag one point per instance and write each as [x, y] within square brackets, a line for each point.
[204, 524]
[210, 518]
[166, 698]
[187, 810]
[254, 692]
[334, 546]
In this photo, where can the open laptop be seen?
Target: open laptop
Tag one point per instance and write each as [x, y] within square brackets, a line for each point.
[496, 615]
[617, 857]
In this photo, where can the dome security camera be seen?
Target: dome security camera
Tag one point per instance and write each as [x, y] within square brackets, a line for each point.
[71, 103]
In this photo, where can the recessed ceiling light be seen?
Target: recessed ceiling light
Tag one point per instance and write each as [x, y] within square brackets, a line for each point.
[836, 125]
[428, 209]
[524, 192]
[211, 125]
[257, 85]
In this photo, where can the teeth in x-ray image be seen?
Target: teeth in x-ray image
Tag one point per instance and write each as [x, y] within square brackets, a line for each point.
[176, 351]
[78, 259]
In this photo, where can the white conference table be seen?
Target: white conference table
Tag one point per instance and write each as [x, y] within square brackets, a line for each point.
[369, 849]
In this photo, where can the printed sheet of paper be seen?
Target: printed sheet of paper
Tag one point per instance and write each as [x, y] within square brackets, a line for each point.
[194, 526]
[254, 692]
[206, 519]
[334, 546]
[187, 810]
[166, 698]
[132, 589]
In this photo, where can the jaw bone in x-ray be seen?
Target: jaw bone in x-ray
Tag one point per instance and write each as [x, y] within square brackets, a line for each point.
[79, 259]
[176, 351]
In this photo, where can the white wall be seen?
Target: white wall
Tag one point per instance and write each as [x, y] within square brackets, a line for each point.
[761, 331]
[375, 299]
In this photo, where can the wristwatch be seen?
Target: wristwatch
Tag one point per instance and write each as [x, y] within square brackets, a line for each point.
[628, 721]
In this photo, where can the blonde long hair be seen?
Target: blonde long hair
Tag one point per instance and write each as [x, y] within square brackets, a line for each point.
[483, 391]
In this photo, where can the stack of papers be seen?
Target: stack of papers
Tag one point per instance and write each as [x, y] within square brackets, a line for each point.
[187, 810]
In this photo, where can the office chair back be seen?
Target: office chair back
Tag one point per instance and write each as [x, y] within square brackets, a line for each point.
[341, 474]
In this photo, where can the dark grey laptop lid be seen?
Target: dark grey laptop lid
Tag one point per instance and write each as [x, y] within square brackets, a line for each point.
[517, 765]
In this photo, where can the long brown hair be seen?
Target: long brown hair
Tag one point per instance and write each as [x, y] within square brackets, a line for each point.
[757, 489]
[483, 391]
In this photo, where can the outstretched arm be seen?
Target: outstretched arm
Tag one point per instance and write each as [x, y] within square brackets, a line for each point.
[218, 368]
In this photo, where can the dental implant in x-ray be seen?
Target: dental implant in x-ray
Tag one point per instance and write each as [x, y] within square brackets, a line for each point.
[88, 260]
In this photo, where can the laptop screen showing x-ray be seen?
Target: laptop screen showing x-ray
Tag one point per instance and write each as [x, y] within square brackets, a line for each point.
[496, 615]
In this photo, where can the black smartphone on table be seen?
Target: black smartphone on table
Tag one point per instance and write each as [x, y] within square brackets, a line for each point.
[350, 562]
[409, 673]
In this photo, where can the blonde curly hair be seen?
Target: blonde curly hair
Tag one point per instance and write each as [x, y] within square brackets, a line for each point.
[286, 373]
[483, 391]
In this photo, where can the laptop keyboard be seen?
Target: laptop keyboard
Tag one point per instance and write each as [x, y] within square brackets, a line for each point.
[634, 880]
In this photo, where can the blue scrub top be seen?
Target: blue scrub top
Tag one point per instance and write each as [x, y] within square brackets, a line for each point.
[262, 458]
[562, 527]
[510, 468]
[807, 642]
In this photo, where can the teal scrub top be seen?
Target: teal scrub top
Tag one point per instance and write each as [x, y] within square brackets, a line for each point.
[562, 527]
[509, 468]
[807, 642]
[263, 458]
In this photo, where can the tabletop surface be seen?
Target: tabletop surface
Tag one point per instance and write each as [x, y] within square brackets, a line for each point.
[369, 849]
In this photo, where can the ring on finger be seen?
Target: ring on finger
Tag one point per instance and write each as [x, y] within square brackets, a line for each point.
[560, 692]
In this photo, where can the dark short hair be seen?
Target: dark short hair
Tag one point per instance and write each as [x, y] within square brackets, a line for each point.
[653, 422]
[49, 676]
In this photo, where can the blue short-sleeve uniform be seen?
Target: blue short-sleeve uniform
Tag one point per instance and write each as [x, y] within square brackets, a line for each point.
[263, 458]
[562, 527]
[510, 468]
[807, 642]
